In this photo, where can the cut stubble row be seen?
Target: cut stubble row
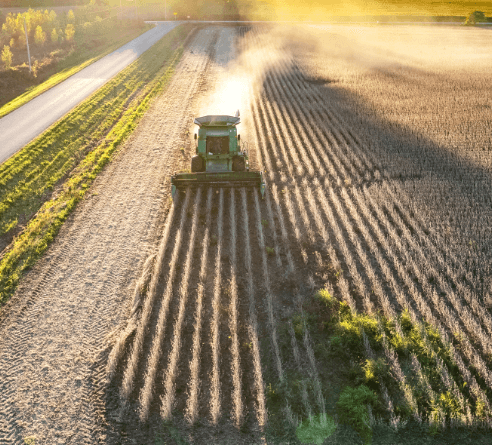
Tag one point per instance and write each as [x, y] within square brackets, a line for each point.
[213, 294]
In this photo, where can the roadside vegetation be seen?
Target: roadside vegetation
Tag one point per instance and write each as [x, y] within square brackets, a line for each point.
[60, 45]
[374, 380]
[475, 18]
[42, 184]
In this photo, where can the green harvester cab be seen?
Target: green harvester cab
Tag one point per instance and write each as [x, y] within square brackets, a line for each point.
[219, 160]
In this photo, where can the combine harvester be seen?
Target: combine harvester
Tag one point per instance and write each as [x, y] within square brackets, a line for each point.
[219, 160]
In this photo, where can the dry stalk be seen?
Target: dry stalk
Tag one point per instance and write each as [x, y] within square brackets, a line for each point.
[171, 371]
[192, 402]
[129, 373]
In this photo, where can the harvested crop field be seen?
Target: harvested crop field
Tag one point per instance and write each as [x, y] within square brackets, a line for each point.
[376, 147]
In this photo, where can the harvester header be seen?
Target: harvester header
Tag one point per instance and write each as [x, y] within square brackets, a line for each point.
[219, 160]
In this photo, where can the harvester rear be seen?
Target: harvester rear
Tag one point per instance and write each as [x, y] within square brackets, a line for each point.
[219, 160]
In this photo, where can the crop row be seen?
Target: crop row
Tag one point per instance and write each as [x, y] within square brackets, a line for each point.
[379, 249]
[240, 266]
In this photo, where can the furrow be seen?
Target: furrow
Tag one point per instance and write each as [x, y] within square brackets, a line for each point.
[233, 319]
[133, 364]
[194, 383]
[170, 371]
[215, 387]
[253, 323]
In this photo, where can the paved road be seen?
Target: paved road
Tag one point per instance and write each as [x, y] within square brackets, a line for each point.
[24, 124]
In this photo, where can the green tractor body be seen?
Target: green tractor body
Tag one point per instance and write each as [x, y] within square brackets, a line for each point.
[219, 160]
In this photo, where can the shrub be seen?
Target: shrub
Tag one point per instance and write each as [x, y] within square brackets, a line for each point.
[316, 429]
[475, 17]
[35, 68]
[351, 336]
[70, 17]
[374, 370]
[69, 32]
[299, 323]
[352, 409]
[98, 25]
[54, 36]
[323, 296]
[22, 40]
[7, 57]
[39, 36]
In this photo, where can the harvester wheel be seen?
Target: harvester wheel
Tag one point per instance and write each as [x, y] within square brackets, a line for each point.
[238, 164]
[197, 164]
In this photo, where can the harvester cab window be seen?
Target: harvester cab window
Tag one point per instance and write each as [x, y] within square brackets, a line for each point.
[218, 145]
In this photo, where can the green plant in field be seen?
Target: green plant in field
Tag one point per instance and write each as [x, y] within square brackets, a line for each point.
[70, 17]
[337, 335]
[270, 250]
[448, 404]
[7, 57]
[299, 324]
[316, 429]
[374, 370]
[30, 440]
[352, 409]
[324, 297]
[264, 223]
[247, 346]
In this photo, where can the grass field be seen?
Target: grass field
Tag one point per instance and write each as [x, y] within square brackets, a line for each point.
[42, 183]
[290, 10]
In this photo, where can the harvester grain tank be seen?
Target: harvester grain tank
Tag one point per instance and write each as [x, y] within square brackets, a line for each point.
[219, 159]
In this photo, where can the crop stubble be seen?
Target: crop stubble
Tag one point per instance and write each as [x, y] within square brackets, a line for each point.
[320, 210]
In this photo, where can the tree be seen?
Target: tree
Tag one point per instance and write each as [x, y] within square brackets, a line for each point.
[54, 36]
[39, 36]
[7, 57]
[69, 32]
[52, 17]
[475, 17]
[70, 17]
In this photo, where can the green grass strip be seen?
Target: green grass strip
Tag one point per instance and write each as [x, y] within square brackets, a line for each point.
[74, 63]
[72, 152]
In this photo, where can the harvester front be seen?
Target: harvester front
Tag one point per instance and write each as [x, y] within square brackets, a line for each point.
[219, 160]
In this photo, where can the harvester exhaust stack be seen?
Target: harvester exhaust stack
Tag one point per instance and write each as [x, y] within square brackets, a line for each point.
[219, 160]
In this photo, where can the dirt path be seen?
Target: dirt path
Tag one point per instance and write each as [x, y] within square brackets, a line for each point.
[78, 294]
